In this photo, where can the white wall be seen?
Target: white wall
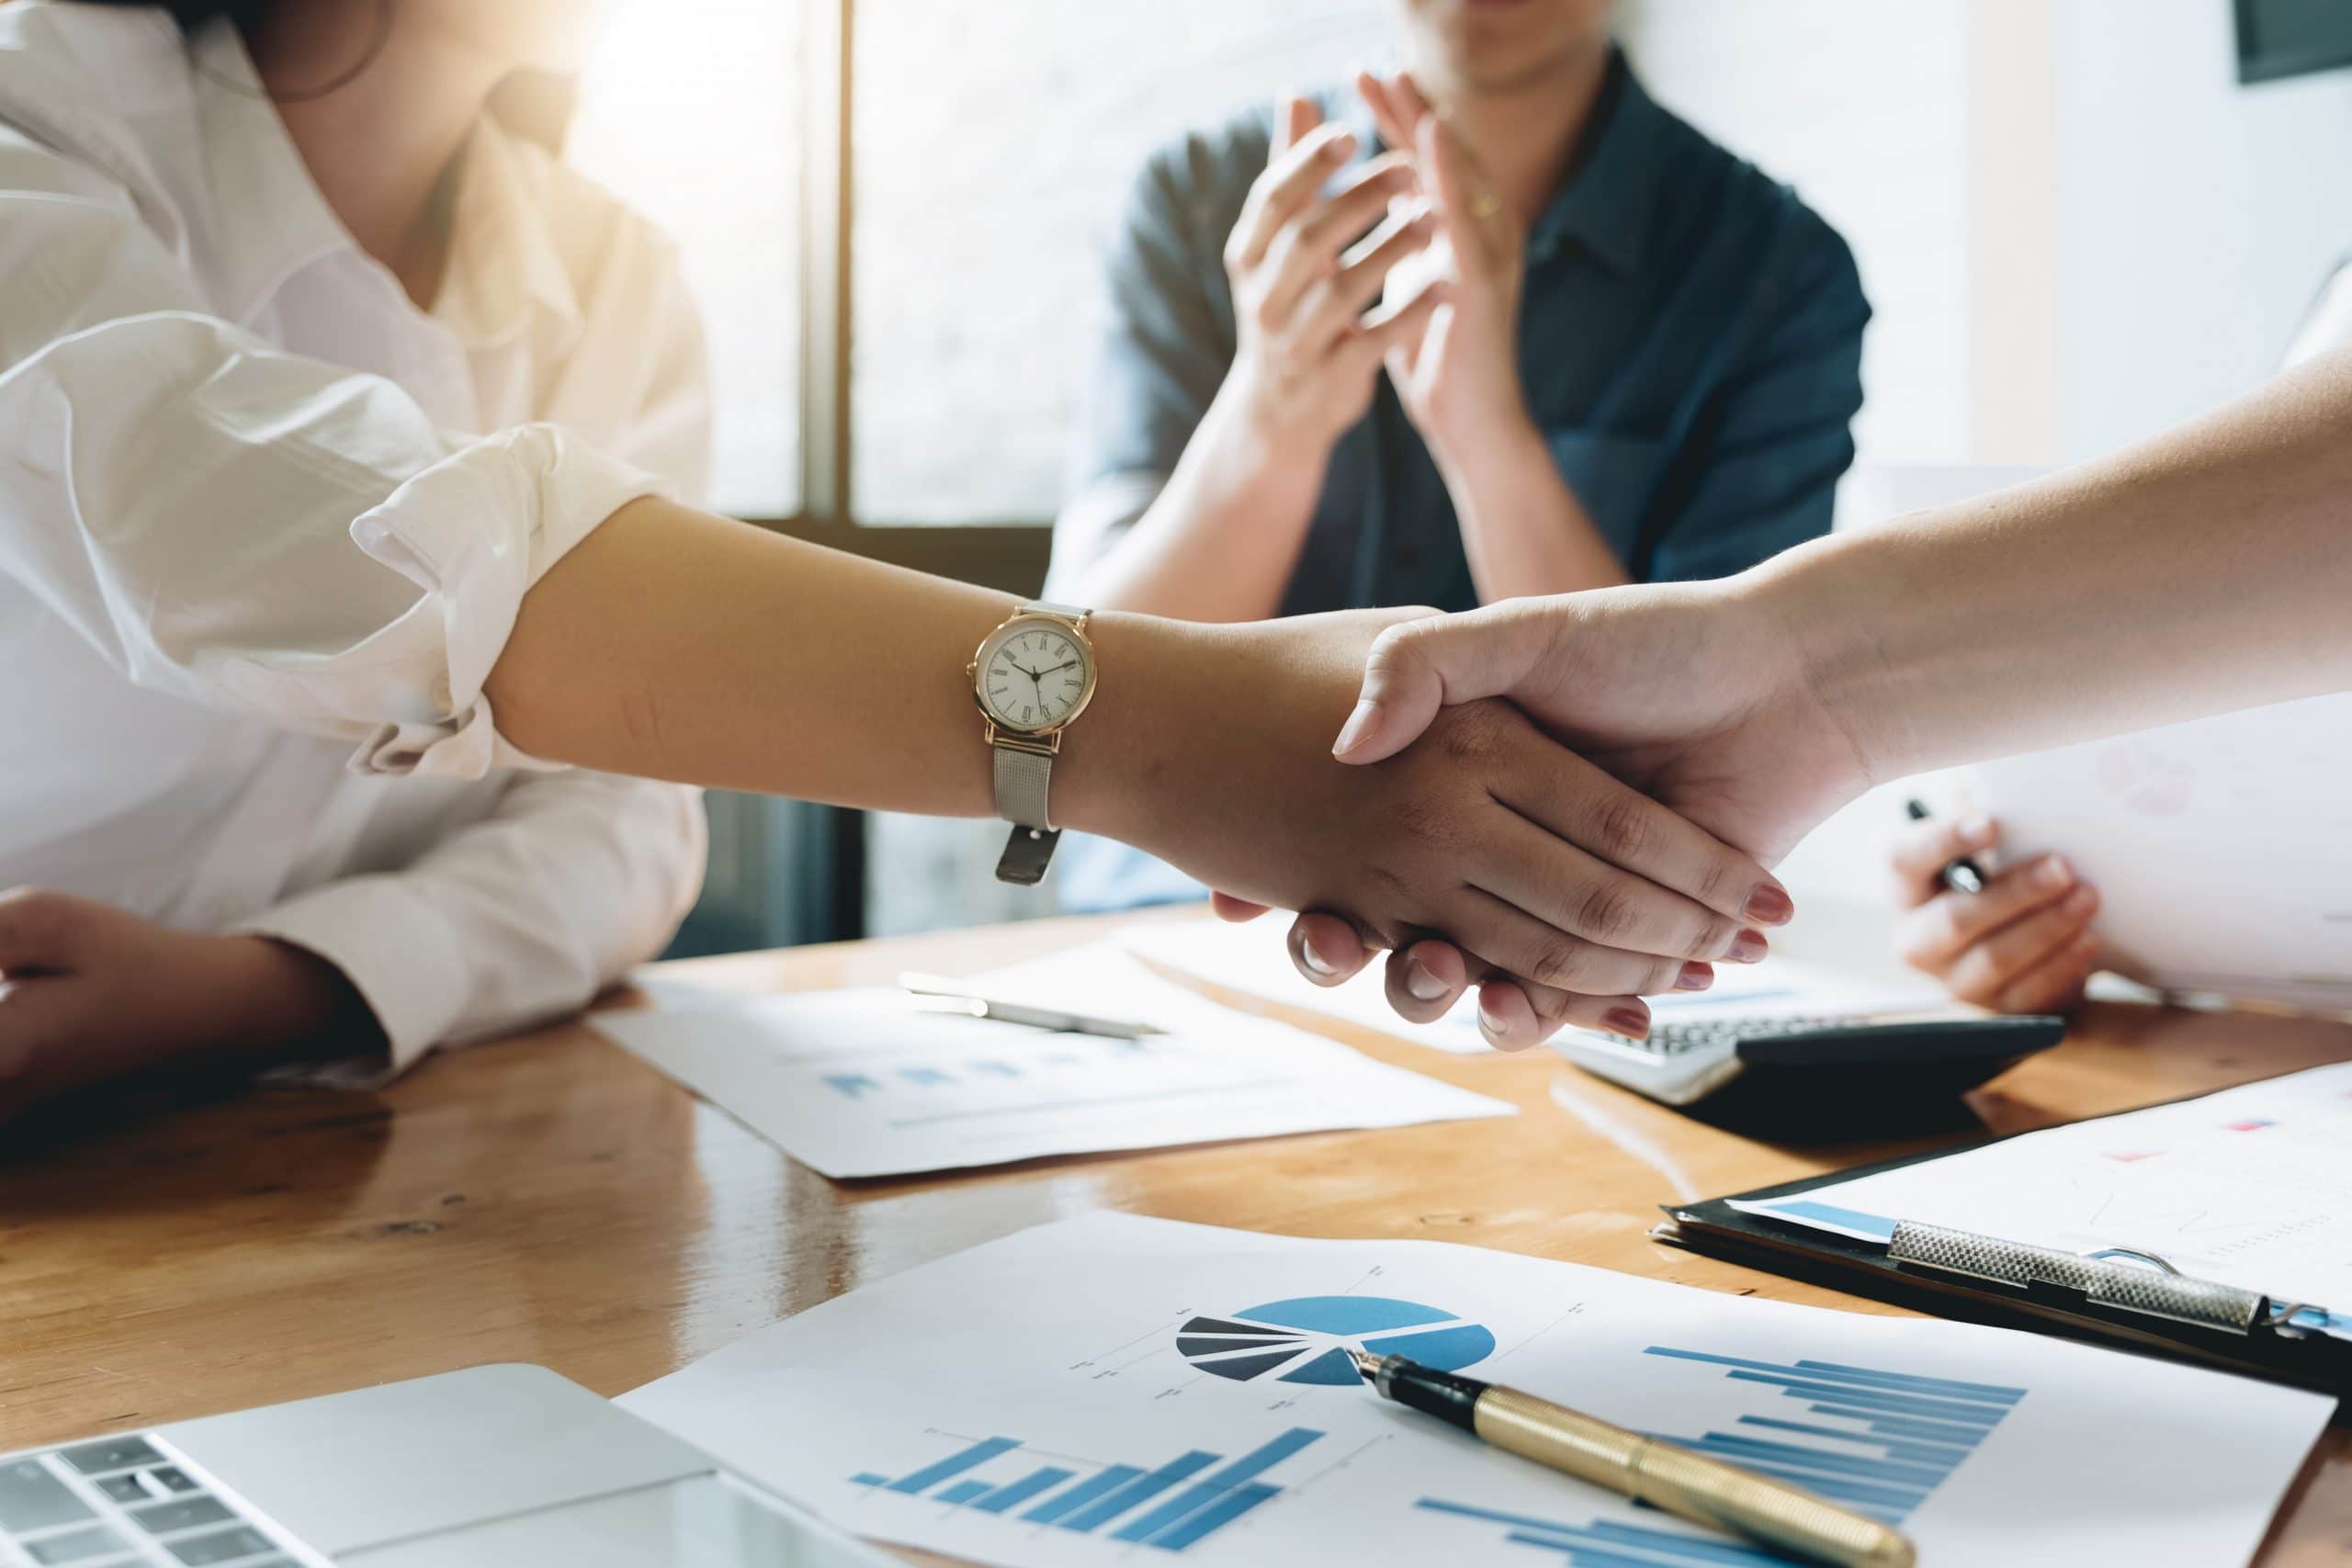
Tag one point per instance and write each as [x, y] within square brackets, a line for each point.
[1861, 105]
[2198, 216]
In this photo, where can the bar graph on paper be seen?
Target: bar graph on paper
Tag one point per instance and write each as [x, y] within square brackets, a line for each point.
[1172, 1505]
[1878, 1441]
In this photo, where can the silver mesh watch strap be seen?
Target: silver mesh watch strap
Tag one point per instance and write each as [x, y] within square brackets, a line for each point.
[1024, 786]
[1023, 781]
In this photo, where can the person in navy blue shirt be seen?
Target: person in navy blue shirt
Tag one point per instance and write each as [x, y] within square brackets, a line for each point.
[1545, 336]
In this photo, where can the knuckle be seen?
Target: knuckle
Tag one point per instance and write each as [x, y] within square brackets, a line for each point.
[1717, 881]
[1714, 938]
[1469, 732]
[1428, 822]
[1606, 912]
[1554, 1007]
[1561, 964]
[1621, 830]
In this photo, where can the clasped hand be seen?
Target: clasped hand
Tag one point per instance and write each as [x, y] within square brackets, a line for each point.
[1530, 858]
[1671, 732]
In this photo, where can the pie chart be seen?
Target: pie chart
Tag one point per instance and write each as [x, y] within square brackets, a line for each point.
[1307, 1339]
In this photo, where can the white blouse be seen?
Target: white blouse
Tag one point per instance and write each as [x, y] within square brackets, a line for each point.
[256, 558]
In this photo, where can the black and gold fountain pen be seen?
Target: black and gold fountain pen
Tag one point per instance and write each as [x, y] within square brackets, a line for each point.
[1692, 1486]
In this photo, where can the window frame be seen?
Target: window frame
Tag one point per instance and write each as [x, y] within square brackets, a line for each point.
[1010, 557]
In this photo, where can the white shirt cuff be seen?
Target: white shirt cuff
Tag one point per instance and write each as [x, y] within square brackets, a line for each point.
[475, 531]
[398, 953]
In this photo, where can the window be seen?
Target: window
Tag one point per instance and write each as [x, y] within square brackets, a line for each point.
[913, 406]
[991, 144]
[687, 112]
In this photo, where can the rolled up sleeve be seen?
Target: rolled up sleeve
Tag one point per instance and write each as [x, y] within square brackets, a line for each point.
[253, 530]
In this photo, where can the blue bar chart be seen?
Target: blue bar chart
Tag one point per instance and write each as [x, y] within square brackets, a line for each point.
[1879, 1442]
[988, 1070]
[1171, 1506]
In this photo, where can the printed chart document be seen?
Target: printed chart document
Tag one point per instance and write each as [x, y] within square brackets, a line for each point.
[2250, 1187]
[861, 1083]
[1254, 959]
[2221, 850]
[1117, 1389]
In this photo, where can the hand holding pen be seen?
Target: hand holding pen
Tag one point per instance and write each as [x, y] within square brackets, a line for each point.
[2018, 939]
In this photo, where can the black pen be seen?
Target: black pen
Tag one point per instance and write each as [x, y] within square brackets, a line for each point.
[1689, 1485]
[1962, 876]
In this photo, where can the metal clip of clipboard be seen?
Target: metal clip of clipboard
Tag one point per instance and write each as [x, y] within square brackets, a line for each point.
[2115, 1277]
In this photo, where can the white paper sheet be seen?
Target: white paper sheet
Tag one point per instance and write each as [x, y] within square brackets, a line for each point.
[860, 1083]
[1253, 959]
[2221, 850]
[976, 1405]
[2251, 1186]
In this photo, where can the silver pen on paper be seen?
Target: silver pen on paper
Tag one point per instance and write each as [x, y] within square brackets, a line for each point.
[934, 994]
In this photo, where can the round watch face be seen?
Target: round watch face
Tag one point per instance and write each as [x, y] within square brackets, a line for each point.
[1033, 676]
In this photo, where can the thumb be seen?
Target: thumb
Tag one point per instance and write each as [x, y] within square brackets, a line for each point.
[1421, 666]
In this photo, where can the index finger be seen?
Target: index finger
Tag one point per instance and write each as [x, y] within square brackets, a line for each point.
[1614, 822]
[1293, 117]
[1386, 118]
[1292, 176]
[1923, 849]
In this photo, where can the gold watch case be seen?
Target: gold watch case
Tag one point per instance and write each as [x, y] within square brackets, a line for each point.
[1042, 738]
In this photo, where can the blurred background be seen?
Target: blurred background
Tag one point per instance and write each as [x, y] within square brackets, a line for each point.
[2077, 220]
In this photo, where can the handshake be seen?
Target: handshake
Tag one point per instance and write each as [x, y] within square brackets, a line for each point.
[1569, 802]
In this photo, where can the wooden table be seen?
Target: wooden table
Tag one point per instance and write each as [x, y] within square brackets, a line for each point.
[552, 1200]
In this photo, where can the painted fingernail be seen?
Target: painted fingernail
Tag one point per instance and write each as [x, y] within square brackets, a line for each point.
[2053, 873]
[1631, 1022]
[1748, 947]
[1769, 906]
[1421, 984]
[1695, 976]
[1352, 733]
[1314, 960]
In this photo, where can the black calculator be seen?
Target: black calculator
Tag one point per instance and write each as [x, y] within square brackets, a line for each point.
[1820, 1070]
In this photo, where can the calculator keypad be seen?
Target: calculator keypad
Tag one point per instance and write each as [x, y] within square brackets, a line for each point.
[1723, 1033]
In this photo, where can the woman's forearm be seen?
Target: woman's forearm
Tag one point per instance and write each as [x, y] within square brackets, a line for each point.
[673, 644]
[2206, 569]
[1222, 538]
[1523, 528]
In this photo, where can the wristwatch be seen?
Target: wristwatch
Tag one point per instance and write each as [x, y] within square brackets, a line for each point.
[1032, 677]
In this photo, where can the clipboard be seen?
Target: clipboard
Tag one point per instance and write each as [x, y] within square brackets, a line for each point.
[2116, 1296]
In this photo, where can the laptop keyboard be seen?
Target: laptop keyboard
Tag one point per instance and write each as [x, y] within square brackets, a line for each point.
[119, 1502]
